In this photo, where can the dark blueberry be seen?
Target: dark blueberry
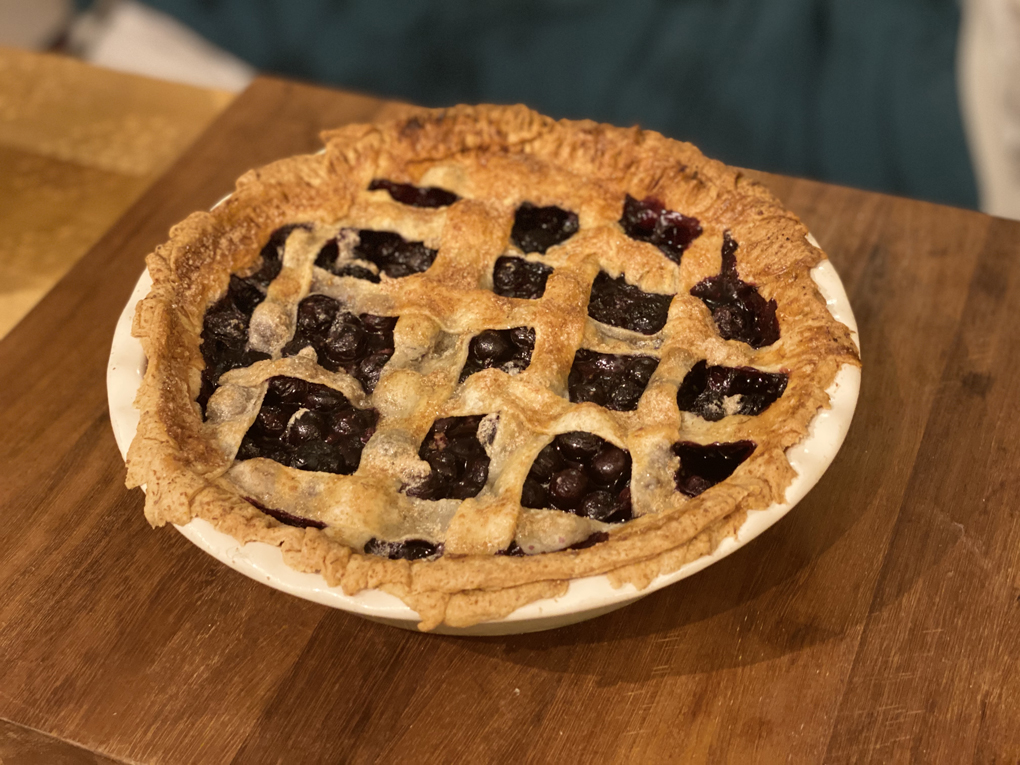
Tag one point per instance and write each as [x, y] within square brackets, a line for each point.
[506, 349]
[536, 229]
[623, 512]
[392, 254]
[287, 518]
[272, 255]
[361, 345]
[357, 272]
[205, 391]
[513, 550]
[322, 398]
[610, 465]
[616, 382]
[523, 337]
[296, 344]
[739, 310]
[310, 426]
[289, 390]
[649, 221]
[316, 456]
[578, 446]
[460, 465]
[431, 488]
[581, 473]
[642, 368]
[345, 423]
[328, 254]
[597, 505]
[248, 450]
[245, 293]
[379, 324]
[489, 346]
[444, 425]
[409, 549]
[377, 343]
[567, 488]
[619, 304]
[704, 465]
[608, 364]
[227, 323]
[370, 369]
[445, 466]
[625, 396]
[590, 541]
[225, 337]
[546, 463]
[344, 340]
[272, 420]
[533, 494]
[316, 313]
[704, 389]
[312, 441]
[415, 196]
[588, 390]
[476, 472]
[519, 278]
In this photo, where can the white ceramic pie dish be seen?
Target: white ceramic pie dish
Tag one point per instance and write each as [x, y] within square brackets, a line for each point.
[587, 597]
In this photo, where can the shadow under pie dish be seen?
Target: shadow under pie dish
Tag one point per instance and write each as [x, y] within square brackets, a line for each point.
[471, 356]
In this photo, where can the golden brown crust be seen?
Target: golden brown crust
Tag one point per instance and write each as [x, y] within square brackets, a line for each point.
[494, 158]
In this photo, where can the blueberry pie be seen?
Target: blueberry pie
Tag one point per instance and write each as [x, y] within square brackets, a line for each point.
[468, 355]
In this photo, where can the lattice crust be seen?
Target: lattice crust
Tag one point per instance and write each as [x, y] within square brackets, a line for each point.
[494, 159]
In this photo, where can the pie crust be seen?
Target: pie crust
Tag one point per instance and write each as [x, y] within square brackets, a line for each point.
[494, 159]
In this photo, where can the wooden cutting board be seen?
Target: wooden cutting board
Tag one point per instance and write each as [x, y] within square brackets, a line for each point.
[878, 622]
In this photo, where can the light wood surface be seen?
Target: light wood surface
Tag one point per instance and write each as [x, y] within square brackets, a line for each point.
[78, 145]
[878, 622]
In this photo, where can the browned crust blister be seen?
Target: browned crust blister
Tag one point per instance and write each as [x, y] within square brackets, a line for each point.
[494, 158]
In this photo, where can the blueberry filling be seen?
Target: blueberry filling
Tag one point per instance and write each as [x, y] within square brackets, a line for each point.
[702, 466]
[705, 389]
[409, 549]
[286, 518]
[536, 229]
[617, 303]
[272, 255]
[519, 278]
[583, 474]
[415, 196]
[649, 221]
[739, 310]
[514, 550]
[309, 427]
[360, 345]
[458, 460]
[508, 350]
[225, 326]
[390, 252]
[327, 258]
[610, 380]
[590, 541]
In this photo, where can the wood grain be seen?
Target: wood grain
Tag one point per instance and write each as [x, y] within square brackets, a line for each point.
[878, 622]
[24, 746]
[78, 145]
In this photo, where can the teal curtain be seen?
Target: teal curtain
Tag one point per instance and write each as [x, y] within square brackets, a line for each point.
[857, 92]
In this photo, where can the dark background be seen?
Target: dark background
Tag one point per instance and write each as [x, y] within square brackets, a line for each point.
[857, 92]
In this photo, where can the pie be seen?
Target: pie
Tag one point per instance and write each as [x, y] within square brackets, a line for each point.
[468, 355]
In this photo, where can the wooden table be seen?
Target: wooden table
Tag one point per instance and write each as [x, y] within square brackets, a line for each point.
[78, 145]
[877, 622]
